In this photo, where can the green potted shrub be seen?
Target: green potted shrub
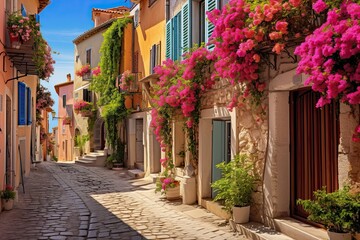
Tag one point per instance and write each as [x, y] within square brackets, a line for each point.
[235, 187]
[337, 211]
[8, 196]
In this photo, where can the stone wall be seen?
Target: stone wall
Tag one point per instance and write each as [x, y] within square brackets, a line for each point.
[251, 132]
[349, 151]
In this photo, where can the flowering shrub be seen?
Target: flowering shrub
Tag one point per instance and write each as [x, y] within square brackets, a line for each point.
[331, 56]
[22, 27]
[246, 32]
[8, 193]
[84, 70]
[43, 60]
[84, 108]
[96, 71]
[356, 135]
[125, 81]
[165, 183]
[178, 94]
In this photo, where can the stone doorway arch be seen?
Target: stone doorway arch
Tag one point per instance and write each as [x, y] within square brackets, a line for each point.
[99, 134]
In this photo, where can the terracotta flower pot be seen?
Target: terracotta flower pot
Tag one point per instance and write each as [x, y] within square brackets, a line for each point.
[173, 193]
[8, 204]
[241, 214]
[86, 114]
[14, 41]
[339, 236]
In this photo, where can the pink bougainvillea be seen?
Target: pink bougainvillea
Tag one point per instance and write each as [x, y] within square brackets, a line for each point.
[96, 71]
[330, 56]
[84, 70]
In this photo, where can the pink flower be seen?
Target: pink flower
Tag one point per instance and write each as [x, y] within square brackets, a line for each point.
[278, 48]
[319, 6]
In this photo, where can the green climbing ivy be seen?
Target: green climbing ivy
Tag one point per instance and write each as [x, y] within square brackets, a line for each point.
[110, 100]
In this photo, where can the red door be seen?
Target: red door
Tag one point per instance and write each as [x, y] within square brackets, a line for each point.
[314, 147]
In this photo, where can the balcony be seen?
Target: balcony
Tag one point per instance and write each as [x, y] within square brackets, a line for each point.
[22, 56]
[131, 84]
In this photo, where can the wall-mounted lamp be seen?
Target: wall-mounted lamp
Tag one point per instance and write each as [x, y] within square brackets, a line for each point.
[53, 115]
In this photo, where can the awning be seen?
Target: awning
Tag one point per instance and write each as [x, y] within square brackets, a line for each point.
[83, 87]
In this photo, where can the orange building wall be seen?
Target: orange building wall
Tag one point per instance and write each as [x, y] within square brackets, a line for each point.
[4, 90]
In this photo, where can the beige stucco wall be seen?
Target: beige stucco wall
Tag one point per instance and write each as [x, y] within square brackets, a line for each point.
[93, 43]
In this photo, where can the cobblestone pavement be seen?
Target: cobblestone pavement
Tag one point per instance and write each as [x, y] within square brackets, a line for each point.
[68, 201]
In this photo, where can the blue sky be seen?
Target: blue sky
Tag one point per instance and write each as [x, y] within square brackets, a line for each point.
[61, 22]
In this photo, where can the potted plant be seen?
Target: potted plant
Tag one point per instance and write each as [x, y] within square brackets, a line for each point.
[168, 186]
[8, 196]
[84, 71]
[338, 211]
[235, 187]
[21, 29]
[84, 108]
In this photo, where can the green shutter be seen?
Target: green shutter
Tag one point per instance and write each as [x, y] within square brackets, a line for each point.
[21, 103]
[218, 150]
[168, 53]
[209, 27]
[185, 23]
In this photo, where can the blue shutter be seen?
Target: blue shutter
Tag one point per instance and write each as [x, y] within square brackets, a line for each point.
[209, 27]
[29, 112]
[185, 23]
[218, 150]
[168, 53]
[21, 103]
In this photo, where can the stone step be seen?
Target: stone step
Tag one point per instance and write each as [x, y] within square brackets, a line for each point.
[139, 166]
[84, 162]
[258, 231]
[300, 230]
[136, 173]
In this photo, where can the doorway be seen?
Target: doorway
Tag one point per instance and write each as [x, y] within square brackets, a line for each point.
[314, 139]
[221, 147]
[139, 162]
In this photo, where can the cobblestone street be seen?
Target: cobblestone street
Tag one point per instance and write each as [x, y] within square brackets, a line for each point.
[68, 201]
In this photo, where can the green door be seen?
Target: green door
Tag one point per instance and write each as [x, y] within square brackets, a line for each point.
[221, 142]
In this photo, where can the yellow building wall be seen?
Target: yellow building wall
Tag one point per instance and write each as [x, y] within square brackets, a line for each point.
[151, 30]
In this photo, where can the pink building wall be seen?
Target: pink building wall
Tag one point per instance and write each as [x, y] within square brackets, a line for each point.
[66, 133]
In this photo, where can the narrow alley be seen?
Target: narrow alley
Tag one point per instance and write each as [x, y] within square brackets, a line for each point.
[68, 201]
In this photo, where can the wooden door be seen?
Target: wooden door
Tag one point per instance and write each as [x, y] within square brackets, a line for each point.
[314, 147]
[139, 144]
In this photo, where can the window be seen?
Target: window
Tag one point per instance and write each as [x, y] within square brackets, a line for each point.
[202, 20]
[155, 56]
[87, 95]
[21, 103]
[88, 57]
[178, 37]
[223, 3]
[136, 18]
[151, 2]
[64, 101]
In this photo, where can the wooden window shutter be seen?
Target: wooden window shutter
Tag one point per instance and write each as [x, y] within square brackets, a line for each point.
[158, 54]
[185, 23]
[21, 103]
[168, 52]
[29, 106]
[209, 27]
[64, 101]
